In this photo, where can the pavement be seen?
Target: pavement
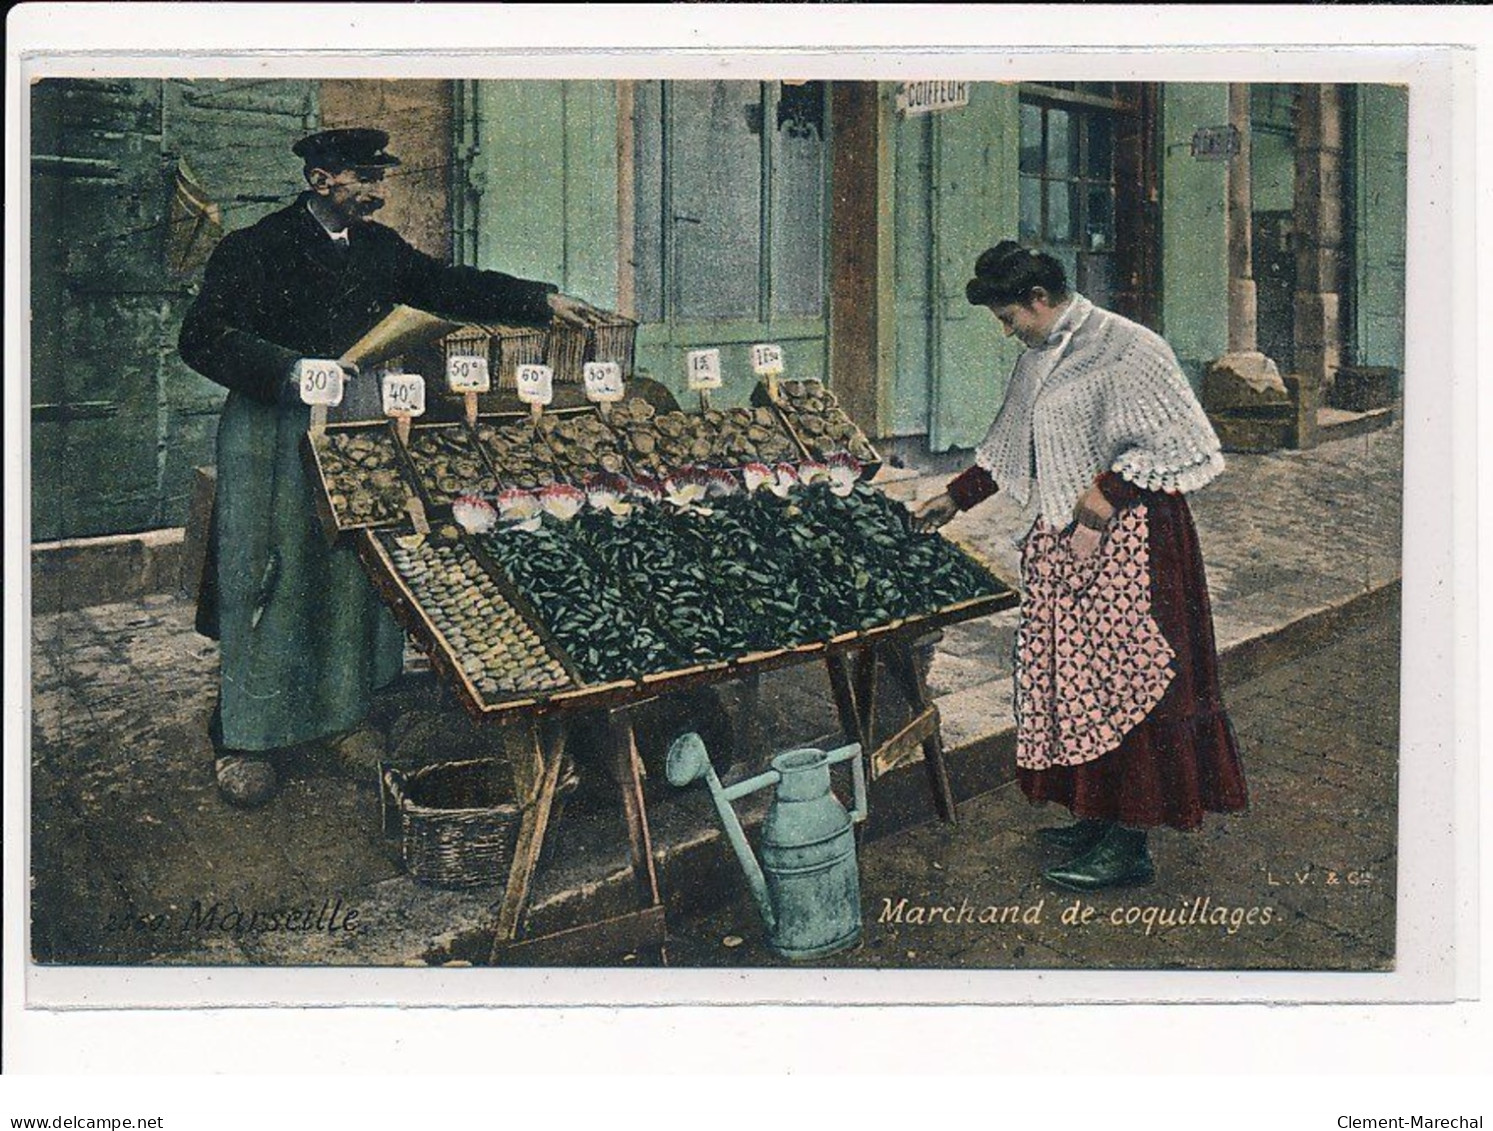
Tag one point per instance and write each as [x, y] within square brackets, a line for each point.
[131, 850]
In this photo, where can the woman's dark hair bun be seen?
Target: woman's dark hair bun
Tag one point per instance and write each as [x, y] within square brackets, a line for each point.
[997, 261]
[1008, 273]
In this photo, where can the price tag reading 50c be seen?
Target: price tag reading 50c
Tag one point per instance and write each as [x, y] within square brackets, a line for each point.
[536, 384]
[704, 369]
[404, 394]
[321, 381]
[767, 360]
[603, 381]
[467, 375]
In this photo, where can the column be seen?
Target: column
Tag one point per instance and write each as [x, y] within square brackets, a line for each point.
[1319, 235]
[1242, 377]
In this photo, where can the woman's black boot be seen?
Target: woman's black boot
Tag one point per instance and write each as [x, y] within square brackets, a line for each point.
[1076, 838]
[1120, 859]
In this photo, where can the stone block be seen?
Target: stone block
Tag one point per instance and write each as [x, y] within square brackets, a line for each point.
[1364, 388]
[194, 544]
[1243, 380]
[79, 572]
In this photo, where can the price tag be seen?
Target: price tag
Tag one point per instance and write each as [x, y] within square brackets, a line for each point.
[536, 384]
[703, 368]
[767, 360]
[321, 381]
[467, 375]
[603, 381]
[404, 394]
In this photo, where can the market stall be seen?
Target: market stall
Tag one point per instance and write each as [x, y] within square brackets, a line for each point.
[554, 562]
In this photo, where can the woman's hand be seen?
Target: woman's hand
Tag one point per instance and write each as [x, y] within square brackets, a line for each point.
[1093, 509]
[929, 516]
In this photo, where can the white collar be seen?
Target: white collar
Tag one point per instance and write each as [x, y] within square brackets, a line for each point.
[1065, 320]
[339, 236]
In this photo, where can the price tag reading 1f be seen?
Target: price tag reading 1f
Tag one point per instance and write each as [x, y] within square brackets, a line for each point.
[603, 381]
[704, 369]
[321, 381]
[467, 375]
[767, 360]
[404, 394]
[536, 384]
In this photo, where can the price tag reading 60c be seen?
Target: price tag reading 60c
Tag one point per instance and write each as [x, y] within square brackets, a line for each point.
[467, 375]
[536, 384]
[704, 369]
[603, 381]
[321, 381]
[767, 360]
[404, 394]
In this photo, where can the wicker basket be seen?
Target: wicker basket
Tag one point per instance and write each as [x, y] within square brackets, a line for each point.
[609, 337]
[457, 821]
[505, 347]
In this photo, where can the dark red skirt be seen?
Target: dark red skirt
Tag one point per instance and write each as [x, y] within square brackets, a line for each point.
[1182, 761]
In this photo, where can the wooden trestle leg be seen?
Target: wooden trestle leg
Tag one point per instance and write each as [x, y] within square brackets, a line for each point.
[640, 842]
[535, 755]
[536, 774]
[904, 669]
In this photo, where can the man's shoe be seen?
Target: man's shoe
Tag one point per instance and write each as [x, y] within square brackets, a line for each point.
[1120, 859]
[245, 780]
[1076, 838]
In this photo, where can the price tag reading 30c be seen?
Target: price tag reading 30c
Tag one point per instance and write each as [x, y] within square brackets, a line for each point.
[536, 384]
[404, 394]
[321, 381]
[767, 360]
[467, 375]
[704, 369]
[603, 381]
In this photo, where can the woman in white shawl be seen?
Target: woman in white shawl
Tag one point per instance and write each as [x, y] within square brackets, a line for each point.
[1119, 716]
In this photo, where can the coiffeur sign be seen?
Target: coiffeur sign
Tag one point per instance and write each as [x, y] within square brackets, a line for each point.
[927, 97]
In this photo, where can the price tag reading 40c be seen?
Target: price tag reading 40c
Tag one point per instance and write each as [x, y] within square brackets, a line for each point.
[321, 381]
[536, 384]
[767, 360]
[404, 394]
[704, 369]
[467, 375]
[603, 381]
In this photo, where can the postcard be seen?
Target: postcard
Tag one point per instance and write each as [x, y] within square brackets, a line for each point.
[796, 518]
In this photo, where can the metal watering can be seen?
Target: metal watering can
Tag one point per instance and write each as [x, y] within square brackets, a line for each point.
[807, 886]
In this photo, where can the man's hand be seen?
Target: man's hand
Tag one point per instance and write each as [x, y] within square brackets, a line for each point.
[929, 516]
[571, 311]
[1093, 509]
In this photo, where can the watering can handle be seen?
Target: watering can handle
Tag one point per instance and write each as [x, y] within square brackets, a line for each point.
[852, 754]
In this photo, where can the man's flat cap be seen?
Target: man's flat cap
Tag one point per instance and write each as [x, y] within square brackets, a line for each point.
[345, 149]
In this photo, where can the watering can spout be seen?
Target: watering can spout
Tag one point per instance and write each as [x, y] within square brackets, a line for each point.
[688, 762]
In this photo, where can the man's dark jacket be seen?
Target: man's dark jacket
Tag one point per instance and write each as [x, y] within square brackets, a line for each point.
[304, 639]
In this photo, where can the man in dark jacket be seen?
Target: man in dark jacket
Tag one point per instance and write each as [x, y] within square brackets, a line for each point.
[305, 641]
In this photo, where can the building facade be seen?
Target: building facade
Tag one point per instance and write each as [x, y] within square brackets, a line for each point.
[837, 219]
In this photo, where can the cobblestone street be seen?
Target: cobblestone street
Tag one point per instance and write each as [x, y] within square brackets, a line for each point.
[131, 849]
[1318, 736]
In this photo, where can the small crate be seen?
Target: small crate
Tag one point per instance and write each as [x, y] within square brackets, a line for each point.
[615, 338]
[505, 347]
[457, 821]
[608, 337]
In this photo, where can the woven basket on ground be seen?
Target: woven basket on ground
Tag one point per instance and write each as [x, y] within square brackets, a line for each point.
[457, 821]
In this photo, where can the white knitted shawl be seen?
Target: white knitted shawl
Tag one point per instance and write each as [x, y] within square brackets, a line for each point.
[1103, 393]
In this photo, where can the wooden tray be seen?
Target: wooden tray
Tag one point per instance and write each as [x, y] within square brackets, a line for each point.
[435, 497]
[334, 524]
[446, 659]
[786, 414]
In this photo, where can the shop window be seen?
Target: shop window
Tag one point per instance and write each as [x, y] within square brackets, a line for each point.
[1067, 186]
[730, 192]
